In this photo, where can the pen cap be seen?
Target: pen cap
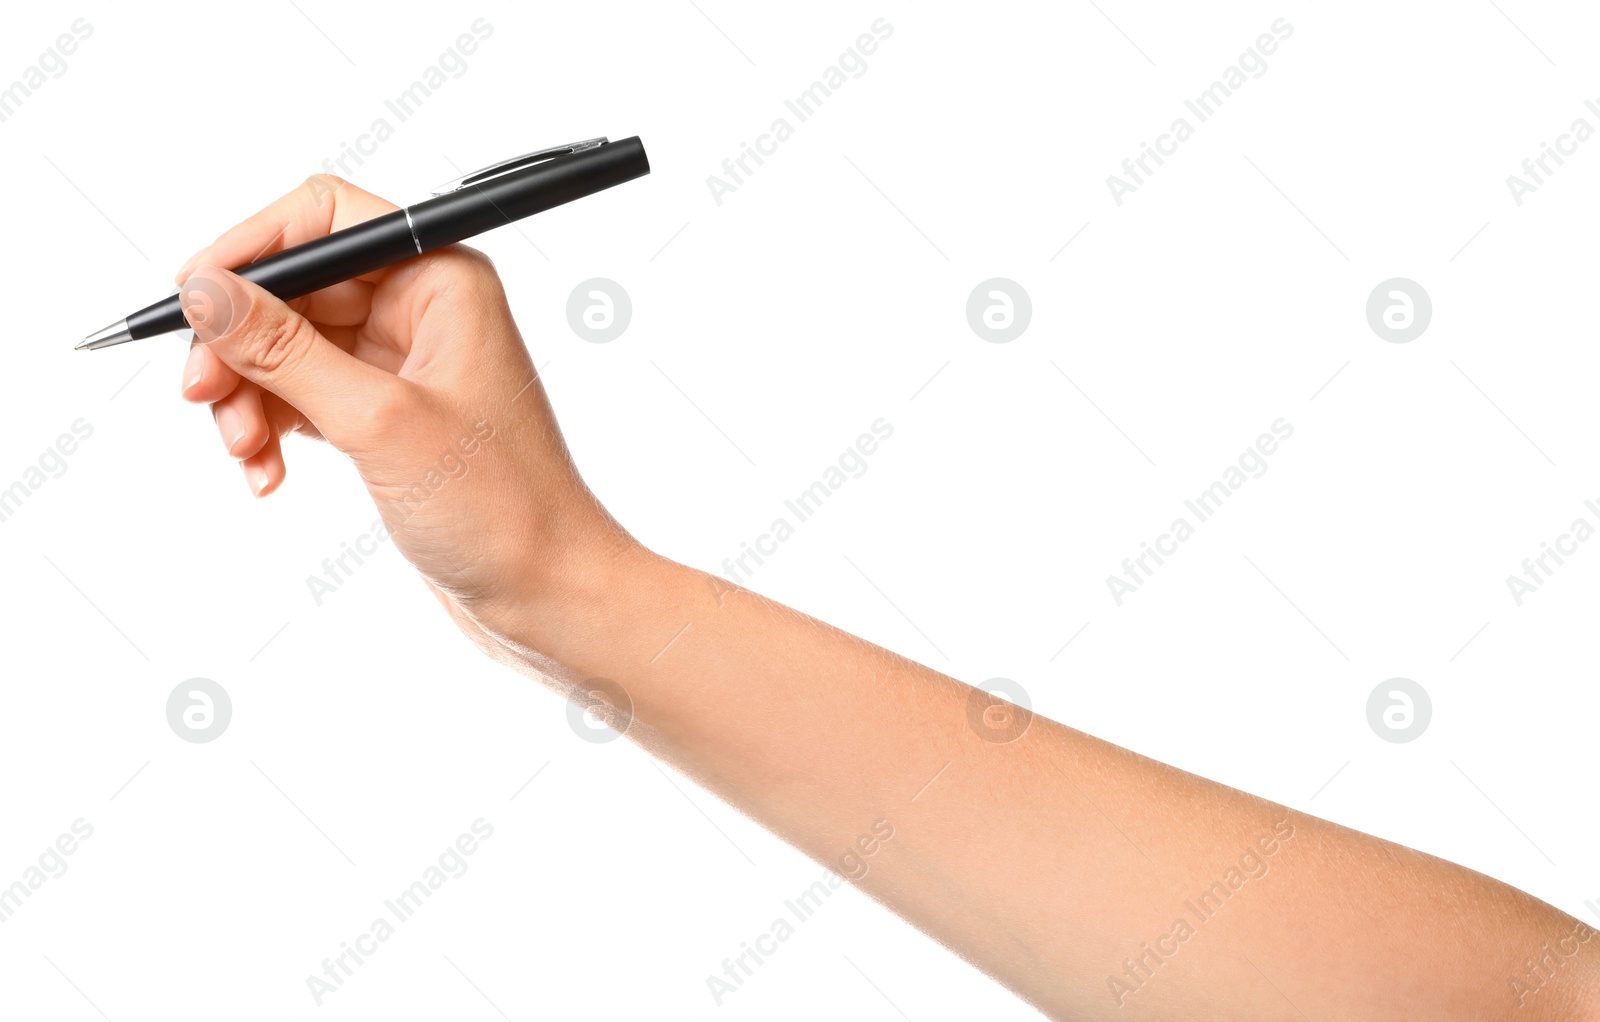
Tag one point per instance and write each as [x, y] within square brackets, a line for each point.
[476, 208]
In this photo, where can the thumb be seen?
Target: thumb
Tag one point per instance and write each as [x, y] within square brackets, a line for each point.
[268, 343]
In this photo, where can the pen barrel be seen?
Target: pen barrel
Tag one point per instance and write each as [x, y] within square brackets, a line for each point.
[476, 208]
[329, 260]
[393, 238]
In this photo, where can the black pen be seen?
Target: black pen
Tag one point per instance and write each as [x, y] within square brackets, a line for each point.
[470, 205]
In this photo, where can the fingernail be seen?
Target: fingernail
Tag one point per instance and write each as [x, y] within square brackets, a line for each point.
[194, 370]
[256, 476]
[231, 426]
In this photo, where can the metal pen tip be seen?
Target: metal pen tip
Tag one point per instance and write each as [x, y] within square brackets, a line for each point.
[116, 333]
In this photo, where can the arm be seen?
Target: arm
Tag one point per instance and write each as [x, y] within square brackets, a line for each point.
[1085, 877]
[1094, 882]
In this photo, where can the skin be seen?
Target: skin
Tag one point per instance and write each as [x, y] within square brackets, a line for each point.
[1057, 863]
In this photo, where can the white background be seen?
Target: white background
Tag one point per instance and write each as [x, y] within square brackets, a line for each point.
[828, 291]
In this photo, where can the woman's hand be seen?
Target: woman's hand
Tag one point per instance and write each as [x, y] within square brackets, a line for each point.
[418, 373]
[1052, 860]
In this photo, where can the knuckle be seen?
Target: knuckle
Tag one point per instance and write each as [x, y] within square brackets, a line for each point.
[321, 182]
[484, 290]
[465, 270]
[321, 188]
[272, 342]
[387, 409]
[478, 261]
[476, 279]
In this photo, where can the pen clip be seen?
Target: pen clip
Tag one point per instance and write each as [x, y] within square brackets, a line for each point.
[495, 170]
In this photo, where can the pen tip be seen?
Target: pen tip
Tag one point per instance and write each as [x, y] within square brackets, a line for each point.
[116, 333]
[83, 345]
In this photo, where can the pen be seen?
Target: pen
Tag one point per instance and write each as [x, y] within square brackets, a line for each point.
[468, 206]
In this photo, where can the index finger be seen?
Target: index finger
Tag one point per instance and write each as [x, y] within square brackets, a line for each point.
[318, 207]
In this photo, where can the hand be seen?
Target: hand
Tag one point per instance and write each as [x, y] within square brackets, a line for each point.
[419, 375]
[1044, 858]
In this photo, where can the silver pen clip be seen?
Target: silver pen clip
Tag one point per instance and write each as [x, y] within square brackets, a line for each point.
[494, 170]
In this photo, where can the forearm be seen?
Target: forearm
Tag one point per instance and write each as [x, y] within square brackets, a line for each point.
[1093, 881]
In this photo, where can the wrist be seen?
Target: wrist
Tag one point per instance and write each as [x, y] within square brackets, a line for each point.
[593, 610]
